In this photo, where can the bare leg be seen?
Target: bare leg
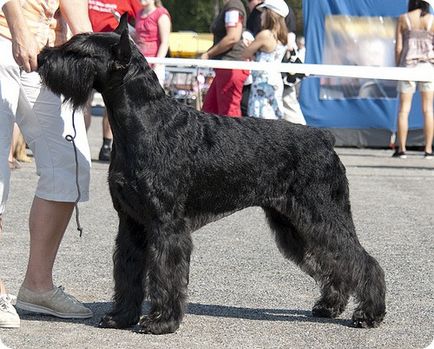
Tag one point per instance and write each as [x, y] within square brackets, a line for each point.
[106, 129]
[13, 163]
[427, 107]
[2, 287]
[87, 114]
[107, 137]
[47, 223]
[404, 109]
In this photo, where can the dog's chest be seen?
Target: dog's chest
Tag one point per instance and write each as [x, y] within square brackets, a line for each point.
[132, 194]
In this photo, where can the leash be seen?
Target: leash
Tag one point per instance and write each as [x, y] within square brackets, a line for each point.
[71, 139]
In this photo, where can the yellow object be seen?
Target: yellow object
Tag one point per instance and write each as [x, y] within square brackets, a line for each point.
[189, 44]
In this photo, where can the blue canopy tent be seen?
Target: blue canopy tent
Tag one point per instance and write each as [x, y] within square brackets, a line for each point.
[335, 31]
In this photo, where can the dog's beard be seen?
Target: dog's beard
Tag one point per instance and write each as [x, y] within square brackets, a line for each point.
[73, 78]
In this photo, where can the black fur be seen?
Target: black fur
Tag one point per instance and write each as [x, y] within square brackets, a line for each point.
[174, 169]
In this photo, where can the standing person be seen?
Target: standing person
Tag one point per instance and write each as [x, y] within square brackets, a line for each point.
[414, 48]
[103, 16]
[224, 94]
[290, 105]
[26, 26]
[153, 26]
[253, 26]
[265, 100]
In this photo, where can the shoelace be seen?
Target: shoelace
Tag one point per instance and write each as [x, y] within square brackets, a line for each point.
[6, 302]
[68, 296]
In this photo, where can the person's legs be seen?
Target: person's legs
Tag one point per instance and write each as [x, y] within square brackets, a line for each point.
[405, 99]
[427, 107]
[107, 138]
[87, 113]
[291, 107]
[9, 91]
[229, 91]
[45, 122]
[47, 224]
[13, 161]
[245, 99]
[210, 101]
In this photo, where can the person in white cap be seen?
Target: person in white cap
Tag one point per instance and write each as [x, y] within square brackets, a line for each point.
[265, 100]
[415, 48]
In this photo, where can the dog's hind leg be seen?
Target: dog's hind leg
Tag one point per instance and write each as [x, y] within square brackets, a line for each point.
[370, 293]
[294, 246]
[169, 267]
[316, 230]
[129, 272]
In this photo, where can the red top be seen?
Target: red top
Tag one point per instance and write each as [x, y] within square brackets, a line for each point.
[147, 31]
[102, 18]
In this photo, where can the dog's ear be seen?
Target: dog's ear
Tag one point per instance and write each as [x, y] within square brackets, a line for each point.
[123, 49]
[123, 24]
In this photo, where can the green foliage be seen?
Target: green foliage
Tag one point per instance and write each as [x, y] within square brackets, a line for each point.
[197, 15]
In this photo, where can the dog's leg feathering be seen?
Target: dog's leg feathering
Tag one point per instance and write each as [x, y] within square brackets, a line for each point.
[169, 266]
[129, 273]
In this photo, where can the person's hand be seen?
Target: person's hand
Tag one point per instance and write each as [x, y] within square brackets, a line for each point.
[25, 50]
[204, 56]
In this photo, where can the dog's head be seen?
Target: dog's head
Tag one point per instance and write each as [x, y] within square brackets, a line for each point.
[87, 61]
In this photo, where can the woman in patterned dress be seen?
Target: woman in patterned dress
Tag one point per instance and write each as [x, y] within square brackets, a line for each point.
[265, 100]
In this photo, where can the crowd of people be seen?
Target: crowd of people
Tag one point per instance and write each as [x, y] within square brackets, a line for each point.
[43, 119]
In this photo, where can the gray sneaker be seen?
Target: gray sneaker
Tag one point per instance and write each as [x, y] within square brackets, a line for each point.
[55, 302]
[8, 315]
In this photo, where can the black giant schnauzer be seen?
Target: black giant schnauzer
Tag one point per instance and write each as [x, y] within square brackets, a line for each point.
[174, 169]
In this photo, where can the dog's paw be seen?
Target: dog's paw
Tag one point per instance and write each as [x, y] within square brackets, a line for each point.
[321, 310]
[155, 325]
[363, 320]
[110, 321]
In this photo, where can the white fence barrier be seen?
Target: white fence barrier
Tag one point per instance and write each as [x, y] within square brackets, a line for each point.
[343, 71]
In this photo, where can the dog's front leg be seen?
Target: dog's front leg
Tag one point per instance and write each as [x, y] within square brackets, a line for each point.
[129, 272]
[169, 266]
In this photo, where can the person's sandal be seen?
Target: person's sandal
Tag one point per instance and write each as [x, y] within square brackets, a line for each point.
[399, 154]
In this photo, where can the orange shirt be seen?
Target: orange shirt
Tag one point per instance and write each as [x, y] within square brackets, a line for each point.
[44, 21]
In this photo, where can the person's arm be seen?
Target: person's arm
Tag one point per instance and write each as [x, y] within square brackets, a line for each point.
[25, 48]
[398, 44]
[256, 45]
[164, 32]
[234, 30]
[76, 14]
[233, 35]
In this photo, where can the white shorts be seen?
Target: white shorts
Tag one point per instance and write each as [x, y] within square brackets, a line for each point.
[410, 86]
[44, 122]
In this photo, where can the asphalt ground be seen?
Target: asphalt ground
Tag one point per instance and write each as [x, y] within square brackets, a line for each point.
[243, 293]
